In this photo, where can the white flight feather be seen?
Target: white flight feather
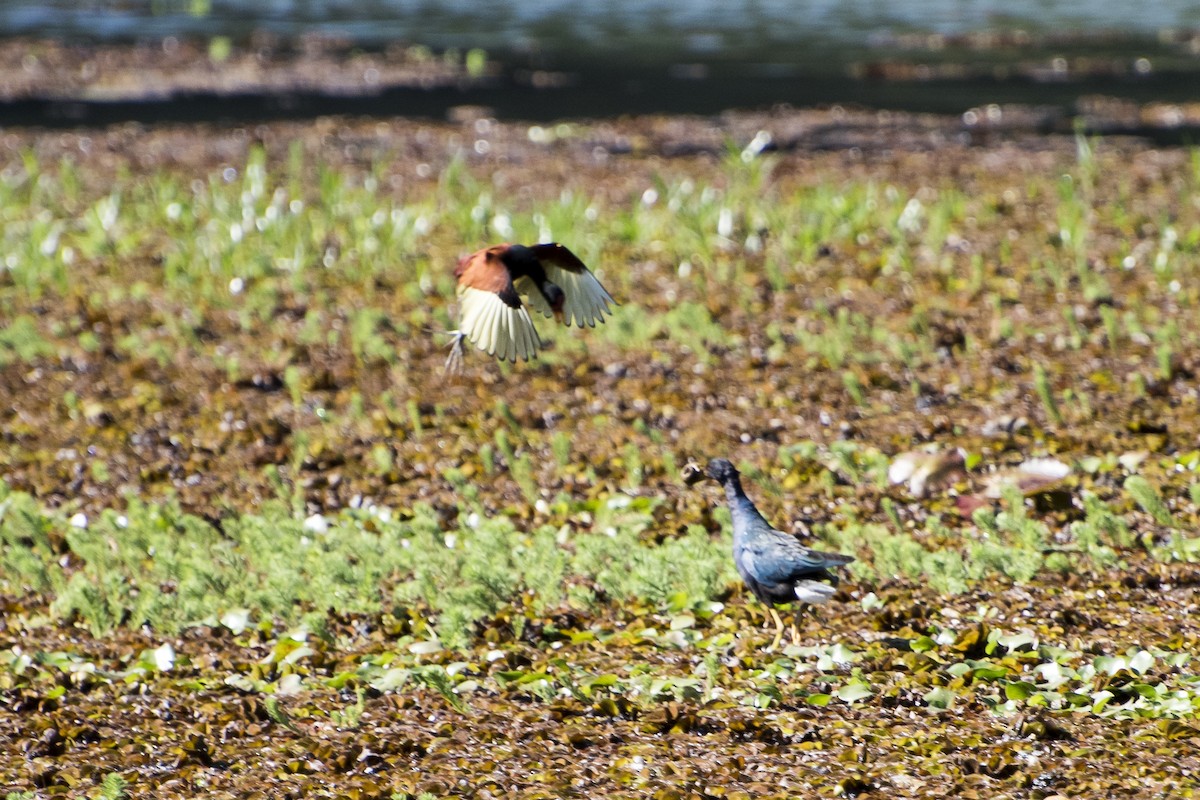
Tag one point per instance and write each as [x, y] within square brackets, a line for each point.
[495, 327]
[495, 319]
[504, 336]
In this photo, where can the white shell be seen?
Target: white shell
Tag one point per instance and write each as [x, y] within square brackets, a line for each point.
[1033, 476]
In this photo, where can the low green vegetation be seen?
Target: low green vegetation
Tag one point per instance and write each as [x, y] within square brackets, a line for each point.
[156, 565]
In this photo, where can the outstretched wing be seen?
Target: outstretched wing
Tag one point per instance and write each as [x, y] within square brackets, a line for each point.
[494, 326]
[491, 315]
[586, 301]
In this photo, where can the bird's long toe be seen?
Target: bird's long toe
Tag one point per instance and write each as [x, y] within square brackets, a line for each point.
[454, 361]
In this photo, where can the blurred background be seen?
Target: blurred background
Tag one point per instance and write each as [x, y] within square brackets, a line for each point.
[1110, 67]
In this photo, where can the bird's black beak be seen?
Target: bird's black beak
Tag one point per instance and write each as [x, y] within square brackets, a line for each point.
[692, 473]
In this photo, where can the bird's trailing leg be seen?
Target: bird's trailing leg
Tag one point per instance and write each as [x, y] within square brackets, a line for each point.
[454, 361]
[804, 608]
[778, 629]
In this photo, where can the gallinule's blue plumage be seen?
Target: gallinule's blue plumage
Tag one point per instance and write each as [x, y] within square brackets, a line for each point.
[776, 567]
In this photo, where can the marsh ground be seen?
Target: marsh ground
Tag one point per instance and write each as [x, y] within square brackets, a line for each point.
[255, 544]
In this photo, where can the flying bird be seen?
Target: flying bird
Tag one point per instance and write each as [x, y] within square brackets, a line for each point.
[491, 282]
[776, 567]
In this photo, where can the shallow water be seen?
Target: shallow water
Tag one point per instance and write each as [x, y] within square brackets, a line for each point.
[642, 56]
[707, 26]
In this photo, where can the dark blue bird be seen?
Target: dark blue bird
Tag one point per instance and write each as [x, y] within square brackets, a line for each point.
[776, 567]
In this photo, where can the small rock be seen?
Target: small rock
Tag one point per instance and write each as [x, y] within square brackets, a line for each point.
[316, 524]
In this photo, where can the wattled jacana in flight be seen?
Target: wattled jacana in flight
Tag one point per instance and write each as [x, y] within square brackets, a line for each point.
[491, 282]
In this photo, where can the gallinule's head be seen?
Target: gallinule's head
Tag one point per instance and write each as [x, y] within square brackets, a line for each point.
[719, 470]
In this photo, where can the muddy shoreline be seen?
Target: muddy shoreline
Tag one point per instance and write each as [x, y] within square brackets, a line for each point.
[60, 85]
